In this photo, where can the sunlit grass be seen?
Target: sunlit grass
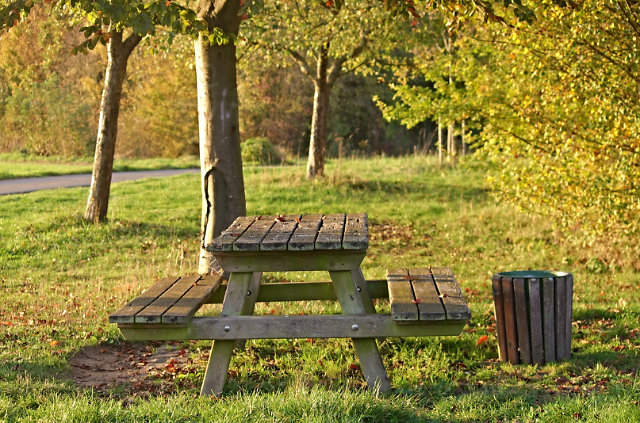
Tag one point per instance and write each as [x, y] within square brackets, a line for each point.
[16, 165]
[61, 277]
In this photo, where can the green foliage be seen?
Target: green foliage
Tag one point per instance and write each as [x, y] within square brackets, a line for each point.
[276, 103]
[48, 101]
[159, 117]
[100, 18]
[260, 150]
[557, 106]
[420, 213]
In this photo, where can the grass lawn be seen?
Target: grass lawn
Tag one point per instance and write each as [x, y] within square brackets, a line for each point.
[61, 277]
[15, 165]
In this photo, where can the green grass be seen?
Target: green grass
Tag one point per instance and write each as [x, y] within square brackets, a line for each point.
[61, 277]
[16, 165]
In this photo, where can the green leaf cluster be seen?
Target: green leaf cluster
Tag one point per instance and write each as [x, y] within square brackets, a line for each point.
[556, 112]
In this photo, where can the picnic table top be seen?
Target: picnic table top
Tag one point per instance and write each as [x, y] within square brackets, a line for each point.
[340, 231]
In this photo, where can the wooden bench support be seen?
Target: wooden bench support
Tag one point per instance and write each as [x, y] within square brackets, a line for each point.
[426, 295]
[172, 300]
[231, 328]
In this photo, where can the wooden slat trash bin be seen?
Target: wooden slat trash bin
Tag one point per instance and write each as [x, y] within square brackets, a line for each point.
[533, 311]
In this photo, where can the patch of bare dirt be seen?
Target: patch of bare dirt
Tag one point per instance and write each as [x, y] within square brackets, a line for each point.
[142, 368]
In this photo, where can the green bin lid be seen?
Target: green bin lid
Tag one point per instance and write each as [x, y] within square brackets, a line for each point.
[533, 274]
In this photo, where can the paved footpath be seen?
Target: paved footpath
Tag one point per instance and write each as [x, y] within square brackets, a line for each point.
[19, 186]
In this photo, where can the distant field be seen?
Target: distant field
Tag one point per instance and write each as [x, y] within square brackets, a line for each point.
[61, 277]
[13, 166]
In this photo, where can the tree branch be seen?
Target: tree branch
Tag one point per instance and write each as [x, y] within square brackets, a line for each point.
[336, 67]
[300, 61]
[131, 42]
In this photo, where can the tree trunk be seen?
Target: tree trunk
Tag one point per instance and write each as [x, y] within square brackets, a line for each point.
[315, 165]
[464, 145]
[451, 143]
[118, 55]
[439, 142]
[223, 198]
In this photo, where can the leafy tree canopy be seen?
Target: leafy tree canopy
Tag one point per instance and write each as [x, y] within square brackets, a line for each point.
[142, 17]
[557, 108]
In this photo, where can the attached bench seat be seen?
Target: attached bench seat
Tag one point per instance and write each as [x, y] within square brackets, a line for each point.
[425, 295]
[171, 300]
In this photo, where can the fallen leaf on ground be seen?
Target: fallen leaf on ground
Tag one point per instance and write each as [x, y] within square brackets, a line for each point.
[482, 339]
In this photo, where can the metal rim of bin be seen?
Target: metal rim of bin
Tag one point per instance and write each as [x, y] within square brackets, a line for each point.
[533, 311]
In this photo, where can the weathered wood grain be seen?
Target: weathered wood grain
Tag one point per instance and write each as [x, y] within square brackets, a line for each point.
[561, 316]
[253, 236]
[154, 311]
[522, 320]
[304, 236]
[220, 357]
[225, 241]
[291, 327]
[548, 319]
[567, 334]
[535, 315]
[305, 291]
[188, 305]
[279, 235]
[363, 289]
[453, 301]
[498, 302]
[427, 296]
[441, 271]
[510, 321]
[277, 261]
[403, 302]
[127, 313]
[366, 348]
[356, 232]
[331, 232]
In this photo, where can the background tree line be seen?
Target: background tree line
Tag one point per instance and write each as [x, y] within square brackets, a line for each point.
[50, 99]
[549, 100]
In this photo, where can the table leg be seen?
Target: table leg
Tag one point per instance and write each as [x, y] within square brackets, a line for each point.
[363, 289]
[366, 348]
[250, 303]
[239, 299]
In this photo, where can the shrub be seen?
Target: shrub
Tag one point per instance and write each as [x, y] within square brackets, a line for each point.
[260, 150]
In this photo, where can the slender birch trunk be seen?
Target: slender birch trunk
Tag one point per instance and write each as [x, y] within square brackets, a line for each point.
[118, 52]
[315, 164]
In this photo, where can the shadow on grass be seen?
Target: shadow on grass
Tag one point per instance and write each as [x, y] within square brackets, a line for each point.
[433, 190]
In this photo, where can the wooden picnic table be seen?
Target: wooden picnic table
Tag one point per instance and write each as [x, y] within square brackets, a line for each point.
[424, 302]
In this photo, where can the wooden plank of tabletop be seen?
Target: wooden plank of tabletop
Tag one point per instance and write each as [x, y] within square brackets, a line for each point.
[427, 297]
[251, 239]
[127, 313]
[454, 303]
[154, 311]
[403, 304]
[356, 232]
[331, 232]
[188, 305]
[226, 239]
[304, 237]
[280, 233]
